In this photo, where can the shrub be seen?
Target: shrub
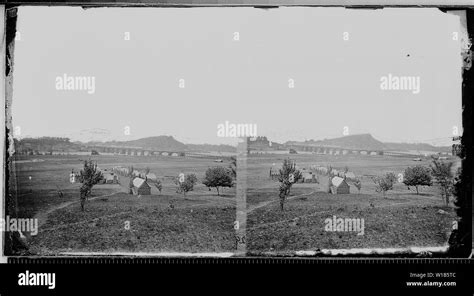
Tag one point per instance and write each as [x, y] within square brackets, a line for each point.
[358, 184]
[385, 183]
[186, 184]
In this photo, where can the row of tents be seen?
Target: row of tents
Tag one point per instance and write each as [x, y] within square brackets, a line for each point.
[309, 176]
[141, 180]
[126, 172]
[337, 183]
[325, 171]
[109, 177]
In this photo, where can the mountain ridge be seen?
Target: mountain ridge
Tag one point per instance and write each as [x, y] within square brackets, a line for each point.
[368, 142]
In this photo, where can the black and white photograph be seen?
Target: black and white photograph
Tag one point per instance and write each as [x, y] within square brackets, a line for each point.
[234, 131]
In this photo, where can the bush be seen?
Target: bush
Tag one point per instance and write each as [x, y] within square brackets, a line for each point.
[358, 184]
[385, 182]
[187, 184]
[417, 176]
[158, 185]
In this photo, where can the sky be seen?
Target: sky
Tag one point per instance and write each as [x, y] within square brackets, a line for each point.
[335, 58]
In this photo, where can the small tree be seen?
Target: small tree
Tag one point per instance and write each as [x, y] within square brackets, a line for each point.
[130, 185]
[158, 185]
[288, 176]
[89, 176]
[385, 183]
[442, 172]
[130, 171]
[218, 177]
[233, 166]
[329, 171]
[417, 176]
[358, 184]
[185, 184]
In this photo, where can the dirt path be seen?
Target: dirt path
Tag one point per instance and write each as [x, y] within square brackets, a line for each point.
[265, 203]
[43, 216]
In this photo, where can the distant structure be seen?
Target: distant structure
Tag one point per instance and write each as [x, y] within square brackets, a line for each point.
[262, 144]
[110, 178]
[339, 186]
[141, 187]
[308, 177]
[274, 173]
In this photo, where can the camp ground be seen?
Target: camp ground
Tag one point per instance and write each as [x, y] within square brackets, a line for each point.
[329, 187]
[160, 220]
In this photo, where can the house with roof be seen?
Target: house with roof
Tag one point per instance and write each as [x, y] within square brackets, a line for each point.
[140, 187]
[339, 186]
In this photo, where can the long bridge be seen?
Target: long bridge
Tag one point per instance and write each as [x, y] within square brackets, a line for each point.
[334, 150]
[134, 151]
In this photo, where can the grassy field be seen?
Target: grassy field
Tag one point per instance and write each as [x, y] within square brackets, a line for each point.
[401, 219]
[201, 221]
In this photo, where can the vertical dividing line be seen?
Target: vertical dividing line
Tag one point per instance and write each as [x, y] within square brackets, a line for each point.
[2, 118]
[241, 196]
[10, 202]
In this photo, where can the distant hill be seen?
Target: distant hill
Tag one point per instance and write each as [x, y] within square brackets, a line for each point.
[158, 143]
[166, 143]
[45, 144]
[367, 142]
[416, 147]
[361, 141]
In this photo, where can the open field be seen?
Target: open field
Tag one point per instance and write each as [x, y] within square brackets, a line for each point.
[401, 219]
[201, 221]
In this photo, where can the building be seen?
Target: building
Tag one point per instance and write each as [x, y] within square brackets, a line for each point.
[141, 187]
[339, 186]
